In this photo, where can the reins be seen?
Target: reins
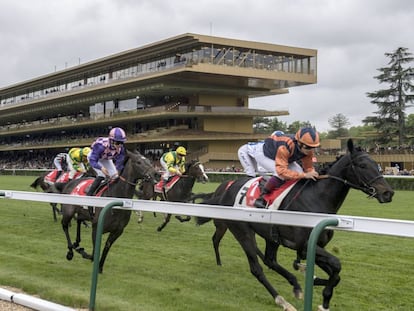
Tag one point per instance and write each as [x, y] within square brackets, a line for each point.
[366, 185]
[127, 181]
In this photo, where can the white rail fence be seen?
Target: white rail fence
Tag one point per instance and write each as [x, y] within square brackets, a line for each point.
[394, 227]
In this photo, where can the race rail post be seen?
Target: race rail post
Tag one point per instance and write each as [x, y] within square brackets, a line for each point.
[97, 253]
[310, 258]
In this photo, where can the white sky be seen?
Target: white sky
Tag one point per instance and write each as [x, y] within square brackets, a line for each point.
[351, 36]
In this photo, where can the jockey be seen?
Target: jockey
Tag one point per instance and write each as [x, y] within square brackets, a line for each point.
[59, 161]
[281, 155]
[106, 151]
[77, 161]
[173, 163]
[250, 152]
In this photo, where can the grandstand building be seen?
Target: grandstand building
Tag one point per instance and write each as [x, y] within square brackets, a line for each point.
[191, 90]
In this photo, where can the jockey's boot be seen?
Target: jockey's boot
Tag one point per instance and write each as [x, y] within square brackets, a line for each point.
[58, 174]
[273, 183]
[59, 186]
[164, 184]
[98, 180]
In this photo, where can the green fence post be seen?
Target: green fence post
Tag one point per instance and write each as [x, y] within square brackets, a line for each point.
[97, 252]
[310, 258]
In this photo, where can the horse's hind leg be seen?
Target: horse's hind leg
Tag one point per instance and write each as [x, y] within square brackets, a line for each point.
[183, 219]
[55, 211]
[332, 266]
[65, 227]
[167, 218]
[218, 235]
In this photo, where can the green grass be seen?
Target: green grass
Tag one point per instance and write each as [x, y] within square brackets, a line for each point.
[175, 269]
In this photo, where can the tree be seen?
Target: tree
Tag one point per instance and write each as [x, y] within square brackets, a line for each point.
[394, 100]
[296, 125]
[338, 122]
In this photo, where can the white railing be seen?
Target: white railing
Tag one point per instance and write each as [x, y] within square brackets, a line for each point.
[395, 227]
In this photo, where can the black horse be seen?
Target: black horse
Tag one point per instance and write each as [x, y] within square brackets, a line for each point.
[353, 170]
[180, 190]
[136, 167]
[47, 180]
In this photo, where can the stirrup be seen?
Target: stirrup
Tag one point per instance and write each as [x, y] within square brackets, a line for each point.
[260, 203]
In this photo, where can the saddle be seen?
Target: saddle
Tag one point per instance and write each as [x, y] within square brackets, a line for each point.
[252, 189]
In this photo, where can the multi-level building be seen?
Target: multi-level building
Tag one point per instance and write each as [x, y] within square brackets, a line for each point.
[191, 90]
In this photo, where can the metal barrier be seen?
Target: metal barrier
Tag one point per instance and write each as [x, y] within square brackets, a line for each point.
[319, 222]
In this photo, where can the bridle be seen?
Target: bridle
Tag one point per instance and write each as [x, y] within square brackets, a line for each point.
[146, 176]
[366, 185]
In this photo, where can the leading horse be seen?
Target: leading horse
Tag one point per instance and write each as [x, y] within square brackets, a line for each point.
[353, 170]
[136, 167]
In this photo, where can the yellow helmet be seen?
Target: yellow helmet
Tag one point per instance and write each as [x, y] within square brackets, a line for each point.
[86, 151]
[308, 136]
[181, 151]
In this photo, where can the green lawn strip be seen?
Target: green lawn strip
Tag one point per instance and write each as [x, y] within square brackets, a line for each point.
[176, 270]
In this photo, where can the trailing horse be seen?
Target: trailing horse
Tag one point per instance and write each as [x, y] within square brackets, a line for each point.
[48, 179]
[353, 170]
[136, 167]
[178, 189]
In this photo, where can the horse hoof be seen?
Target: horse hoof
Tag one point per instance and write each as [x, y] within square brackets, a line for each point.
[321, 308]
[159, 229]
[298, 294]
[69, 256]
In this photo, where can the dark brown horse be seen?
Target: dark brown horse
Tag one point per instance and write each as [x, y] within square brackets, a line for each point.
[179, 191]
[136, 167]
[353, 170]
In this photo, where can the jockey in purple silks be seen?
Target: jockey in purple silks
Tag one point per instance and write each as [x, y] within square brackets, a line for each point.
[107, 157]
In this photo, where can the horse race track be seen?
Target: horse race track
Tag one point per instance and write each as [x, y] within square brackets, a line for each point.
[175, 269]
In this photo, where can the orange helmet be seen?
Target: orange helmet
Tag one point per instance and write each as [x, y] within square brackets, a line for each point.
[308, 136]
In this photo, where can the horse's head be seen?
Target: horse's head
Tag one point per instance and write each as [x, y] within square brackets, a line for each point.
[360, 171]
[139, 167]
[196, 169]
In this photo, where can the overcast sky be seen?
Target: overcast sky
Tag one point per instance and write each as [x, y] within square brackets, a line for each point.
[40, 36]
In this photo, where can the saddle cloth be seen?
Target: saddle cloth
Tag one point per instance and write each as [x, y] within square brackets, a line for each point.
[170, 183]
[250, 191]
[50, 178]
[83, 187]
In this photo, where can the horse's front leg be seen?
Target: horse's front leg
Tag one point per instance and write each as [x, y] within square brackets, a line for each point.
[167, 218]
[140, 216]
[270, 260]
[332, 266]
[113, 236]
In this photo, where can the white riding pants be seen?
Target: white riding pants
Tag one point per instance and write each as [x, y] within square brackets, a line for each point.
[109, 165]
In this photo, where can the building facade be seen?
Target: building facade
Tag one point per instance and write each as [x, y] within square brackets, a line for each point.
[190, 90]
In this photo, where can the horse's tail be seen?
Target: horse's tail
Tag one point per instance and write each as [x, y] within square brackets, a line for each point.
[36, 183]
[208, 198]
